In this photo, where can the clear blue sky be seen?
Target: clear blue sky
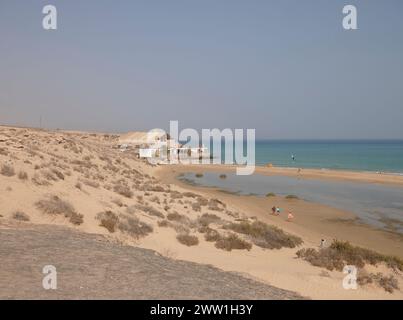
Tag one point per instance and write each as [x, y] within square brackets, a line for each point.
[285, 68]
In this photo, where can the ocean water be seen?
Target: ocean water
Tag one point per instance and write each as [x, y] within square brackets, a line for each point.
[385, 155]
[377, 205]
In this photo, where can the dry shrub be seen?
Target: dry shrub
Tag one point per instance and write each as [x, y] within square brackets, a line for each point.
[150, 210]
[208, 218]
[76, 218]
[199, 175]
[123, 190]
[189, 194]
[22, 175]
[21, 216]
[231, 242]
[90, 183]
[388, 283]
[7, 170]
[58, 174]
[212, 235]
[118, 202]
[48, 175]
[270, 194]
[176, 195]
[3, 152]
[264, 235]
[196, 207]
[342, 253]
[202, 201]
[163, 223]
[216, 205]
[108, 220]
[56, 206]
[38, 181]
[134, 227]
[187, 239]
[176, 217]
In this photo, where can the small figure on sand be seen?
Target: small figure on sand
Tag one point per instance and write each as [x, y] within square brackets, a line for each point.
[275, 210]
[290, 216]
[322, 243]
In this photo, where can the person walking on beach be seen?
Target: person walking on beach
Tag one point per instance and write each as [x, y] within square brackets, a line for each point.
[273, 210]
[290, 216]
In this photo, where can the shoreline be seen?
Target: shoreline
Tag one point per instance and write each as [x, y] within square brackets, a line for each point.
[325, 174]
[313, 222]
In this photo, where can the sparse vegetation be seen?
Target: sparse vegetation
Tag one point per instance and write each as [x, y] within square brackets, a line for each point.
[149, 210]
[3, 152]
[208, 218]
[56, 206]
[291, 197]
[212, 235]
[264, 235]
[270, 194]
[22, 175]
[90, 183]
[108, 220]
[388, 283]
[231, 242]
[199, 175]
[342, 253]
[134, 227]
[123, 190]
[7, 170]
[175, 217]
[118, 202]
[223, 176]
[187, 239]
[21, 216]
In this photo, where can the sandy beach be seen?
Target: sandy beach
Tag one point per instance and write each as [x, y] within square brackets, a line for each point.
[83, 182]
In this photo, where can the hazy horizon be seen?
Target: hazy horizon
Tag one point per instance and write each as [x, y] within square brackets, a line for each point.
[285, 68]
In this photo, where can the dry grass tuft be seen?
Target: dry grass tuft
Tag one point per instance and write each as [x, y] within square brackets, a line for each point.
[134, 227]
[232, 242]
[90, 183]
[342, 253]
[388, 283]
[7, 170]
[123, 190]
[108, 220]
[56, 206]
[187, 239]
[149, 210]
[21, 216]
[208, 218]
[264, 235]
[212, 235]
[3, 152]
[22, 175]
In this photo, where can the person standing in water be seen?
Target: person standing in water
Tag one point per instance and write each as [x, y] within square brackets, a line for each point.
[293, 157]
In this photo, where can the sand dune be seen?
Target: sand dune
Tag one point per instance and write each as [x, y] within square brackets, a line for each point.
[81, 181]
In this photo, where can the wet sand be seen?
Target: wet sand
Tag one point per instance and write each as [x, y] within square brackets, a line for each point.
[313, 221]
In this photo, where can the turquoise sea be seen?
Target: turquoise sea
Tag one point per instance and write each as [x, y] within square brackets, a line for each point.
[376, 155]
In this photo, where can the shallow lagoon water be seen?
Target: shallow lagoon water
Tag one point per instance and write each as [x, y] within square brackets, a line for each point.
[373, 204]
